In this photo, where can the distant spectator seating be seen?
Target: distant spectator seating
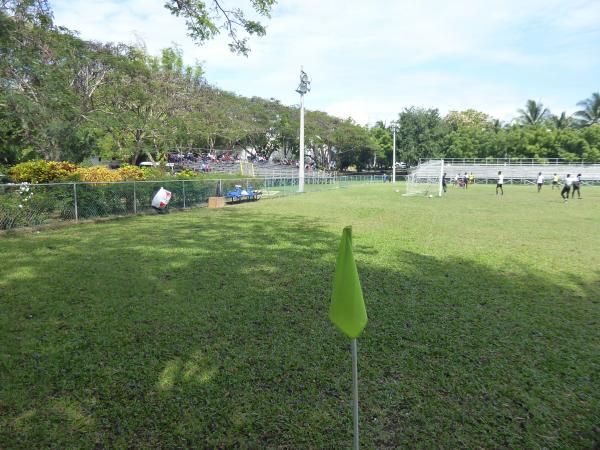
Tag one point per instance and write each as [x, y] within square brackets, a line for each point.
[521, 171]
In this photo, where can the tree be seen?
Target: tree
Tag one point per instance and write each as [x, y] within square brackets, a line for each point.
[590, 114]
[534, 113]
[471, 134]
[205, 20]
[561, 122]
[421, 133]
[40, 70]
[384, 137]
[353, 146]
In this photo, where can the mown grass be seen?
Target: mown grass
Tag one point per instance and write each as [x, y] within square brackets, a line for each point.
[209, 329]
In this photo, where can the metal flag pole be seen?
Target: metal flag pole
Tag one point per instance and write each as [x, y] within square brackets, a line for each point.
[355, 393]
[394, 156]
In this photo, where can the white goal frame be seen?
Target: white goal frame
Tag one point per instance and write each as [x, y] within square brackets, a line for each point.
[426, 179]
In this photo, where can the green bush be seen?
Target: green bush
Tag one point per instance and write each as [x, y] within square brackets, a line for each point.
[30, 205]
[41, 171]
[152, 173]
[104, 199]
[4, 170]
[131, 173]
[186, 174]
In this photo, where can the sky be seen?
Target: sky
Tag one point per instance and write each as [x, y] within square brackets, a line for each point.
[370, 59]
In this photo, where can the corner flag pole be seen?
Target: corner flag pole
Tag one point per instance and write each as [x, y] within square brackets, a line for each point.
[347, 311]
[355, 393]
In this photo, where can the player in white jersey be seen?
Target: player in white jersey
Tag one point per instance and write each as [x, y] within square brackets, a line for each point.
[500, 183]
[566, 188]
[576, 185]
[540, 181]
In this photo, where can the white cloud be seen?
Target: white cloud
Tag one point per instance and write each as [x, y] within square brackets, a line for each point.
[371, 59]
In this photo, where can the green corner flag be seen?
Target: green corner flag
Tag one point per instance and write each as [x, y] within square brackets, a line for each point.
[347, 310]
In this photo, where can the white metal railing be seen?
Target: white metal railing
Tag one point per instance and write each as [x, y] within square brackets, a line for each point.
[514, 161]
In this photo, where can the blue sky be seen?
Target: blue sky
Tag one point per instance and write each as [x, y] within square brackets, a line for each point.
[371, 59]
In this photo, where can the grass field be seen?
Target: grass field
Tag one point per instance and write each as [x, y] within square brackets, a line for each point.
[209, 329]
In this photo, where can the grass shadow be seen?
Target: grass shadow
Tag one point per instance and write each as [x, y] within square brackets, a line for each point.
[211, 331]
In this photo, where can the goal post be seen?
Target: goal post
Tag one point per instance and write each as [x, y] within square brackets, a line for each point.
[441, 182]
[426, 179]
[246, 169]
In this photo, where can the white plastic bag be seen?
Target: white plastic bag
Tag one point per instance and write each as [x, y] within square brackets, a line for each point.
[161, 199]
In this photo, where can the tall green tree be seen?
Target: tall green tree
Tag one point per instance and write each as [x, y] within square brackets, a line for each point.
[421, 134]
[383, 135]
[562, 121]
[41, 69]
[354, 146]
[590, 114]
[534, 113]
[471, 134]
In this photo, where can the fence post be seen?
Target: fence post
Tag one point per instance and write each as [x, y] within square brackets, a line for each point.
[183, 184]
[75, 201]
[134, 200]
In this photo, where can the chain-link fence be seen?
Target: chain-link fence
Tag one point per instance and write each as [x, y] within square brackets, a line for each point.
[32, 205]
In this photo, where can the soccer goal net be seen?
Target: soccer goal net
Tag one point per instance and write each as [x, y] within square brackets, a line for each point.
[426, 179]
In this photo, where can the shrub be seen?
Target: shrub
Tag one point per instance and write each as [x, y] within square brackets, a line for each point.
[132, 173]
[99, 174]
[41, 171]
[186, 174]
[31, 205]
[152, 173]
[4, 170]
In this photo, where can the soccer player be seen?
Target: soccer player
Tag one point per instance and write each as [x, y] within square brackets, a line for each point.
[500, 183]
[466, 180]
[555, 180]
[576, 184]
[540, 182]
[566, 188]
[471, 178]
[444, 181]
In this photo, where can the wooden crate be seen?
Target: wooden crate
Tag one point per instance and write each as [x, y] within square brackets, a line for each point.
[216, 202]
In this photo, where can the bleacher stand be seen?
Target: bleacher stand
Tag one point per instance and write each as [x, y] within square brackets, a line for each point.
[515, 172]
[229, 164]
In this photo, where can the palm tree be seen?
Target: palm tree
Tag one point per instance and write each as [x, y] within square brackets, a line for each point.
[533, 114]
[562, 121]
[496, 125]
[590, 115]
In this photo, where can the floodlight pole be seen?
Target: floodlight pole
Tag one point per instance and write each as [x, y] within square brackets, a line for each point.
[394, 155]
[301, 172]
[302, 89]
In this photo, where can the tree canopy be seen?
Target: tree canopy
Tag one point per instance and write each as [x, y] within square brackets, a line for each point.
[64, 98]
[204, 20]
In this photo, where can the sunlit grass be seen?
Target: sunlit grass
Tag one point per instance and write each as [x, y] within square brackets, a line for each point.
[209, 329]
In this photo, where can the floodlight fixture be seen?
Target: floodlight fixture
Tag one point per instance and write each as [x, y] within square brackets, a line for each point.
[304, 86]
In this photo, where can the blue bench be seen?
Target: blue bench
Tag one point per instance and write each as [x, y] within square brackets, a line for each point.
[239, 194]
